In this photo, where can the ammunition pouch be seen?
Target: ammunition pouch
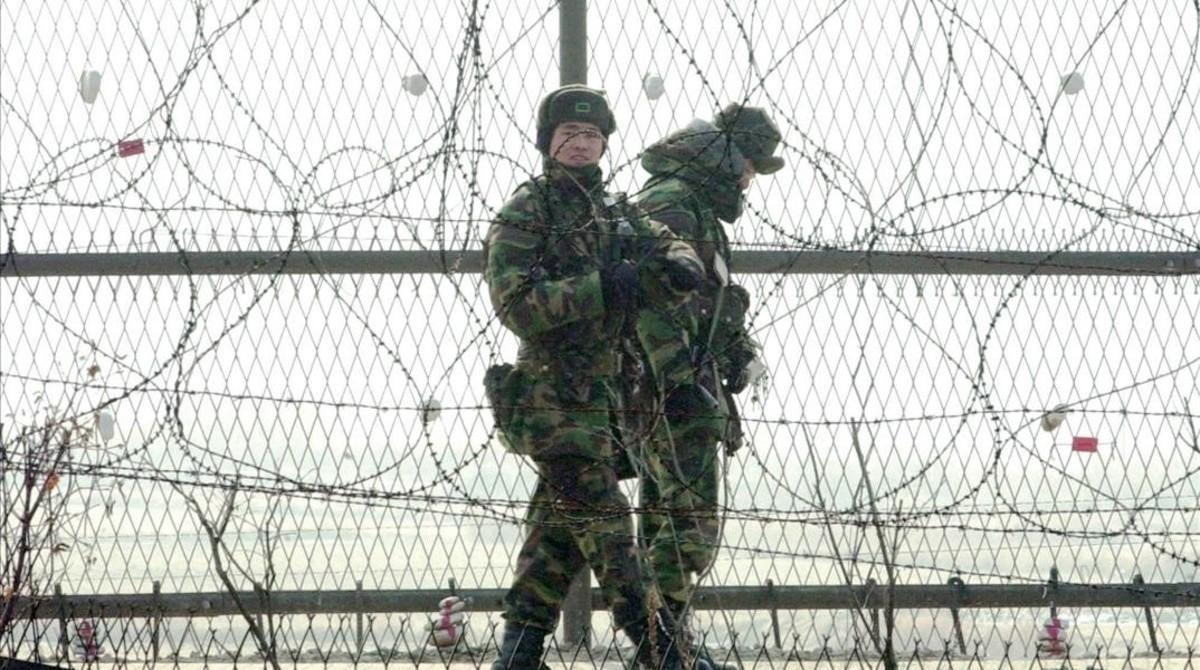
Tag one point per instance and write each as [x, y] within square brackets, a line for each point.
[507, 388]
[538, 416]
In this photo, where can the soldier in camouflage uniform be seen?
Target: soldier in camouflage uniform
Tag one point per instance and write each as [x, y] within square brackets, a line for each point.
[698, 354]
[567, 267]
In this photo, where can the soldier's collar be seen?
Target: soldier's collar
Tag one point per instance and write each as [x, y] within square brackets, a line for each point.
[588, 177]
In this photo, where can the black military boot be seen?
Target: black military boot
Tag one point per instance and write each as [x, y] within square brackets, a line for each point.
[705, 660]
[521, 648]
[695, 649]
[656, 647]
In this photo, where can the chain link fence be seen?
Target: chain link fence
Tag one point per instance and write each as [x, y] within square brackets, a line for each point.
[243, 333]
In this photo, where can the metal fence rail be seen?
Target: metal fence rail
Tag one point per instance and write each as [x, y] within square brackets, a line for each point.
[838, 261]
[767, 597]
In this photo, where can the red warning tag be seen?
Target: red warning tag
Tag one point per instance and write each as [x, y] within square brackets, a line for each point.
[1079, 443]
[130, 148]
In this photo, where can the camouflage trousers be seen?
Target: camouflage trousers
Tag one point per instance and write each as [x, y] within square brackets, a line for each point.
[577, 517]
[679, 525]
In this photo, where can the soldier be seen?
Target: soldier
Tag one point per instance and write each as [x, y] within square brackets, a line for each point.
[699, 354]
[568, 266]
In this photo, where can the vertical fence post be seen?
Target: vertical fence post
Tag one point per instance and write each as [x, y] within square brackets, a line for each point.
[1138, 580]
[958, 634]
[871, 585]
[572, 69]
[572, 42]
[774, 610]
[259, 591]
[359, 640]
[64, 639]
[1051, 590]
[156, 619]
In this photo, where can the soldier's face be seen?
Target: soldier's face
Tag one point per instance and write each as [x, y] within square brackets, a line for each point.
[576, 144]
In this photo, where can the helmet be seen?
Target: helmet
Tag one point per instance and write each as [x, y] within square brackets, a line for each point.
[573, 102]
[754, 133]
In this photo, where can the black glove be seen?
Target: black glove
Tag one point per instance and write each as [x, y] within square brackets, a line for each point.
[622, 292]
[735, 363]
[681, 277]
[737, 381]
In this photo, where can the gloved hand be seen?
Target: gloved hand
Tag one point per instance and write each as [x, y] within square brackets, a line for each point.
[619, 282]
[737, 381]
[682, 277]
[738, 364]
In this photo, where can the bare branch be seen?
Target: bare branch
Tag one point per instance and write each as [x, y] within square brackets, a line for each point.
[859, 603]
[217, 545]
[888, 556]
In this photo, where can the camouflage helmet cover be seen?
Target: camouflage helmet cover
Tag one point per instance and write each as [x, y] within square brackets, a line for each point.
[573, 102]
[754, 134]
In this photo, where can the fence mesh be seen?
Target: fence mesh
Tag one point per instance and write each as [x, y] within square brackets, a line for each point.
[331, 426]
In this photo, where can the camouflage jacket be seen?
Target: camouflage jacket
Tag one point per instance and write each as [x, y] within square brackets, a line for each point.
[693, 187]
[543, 258]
